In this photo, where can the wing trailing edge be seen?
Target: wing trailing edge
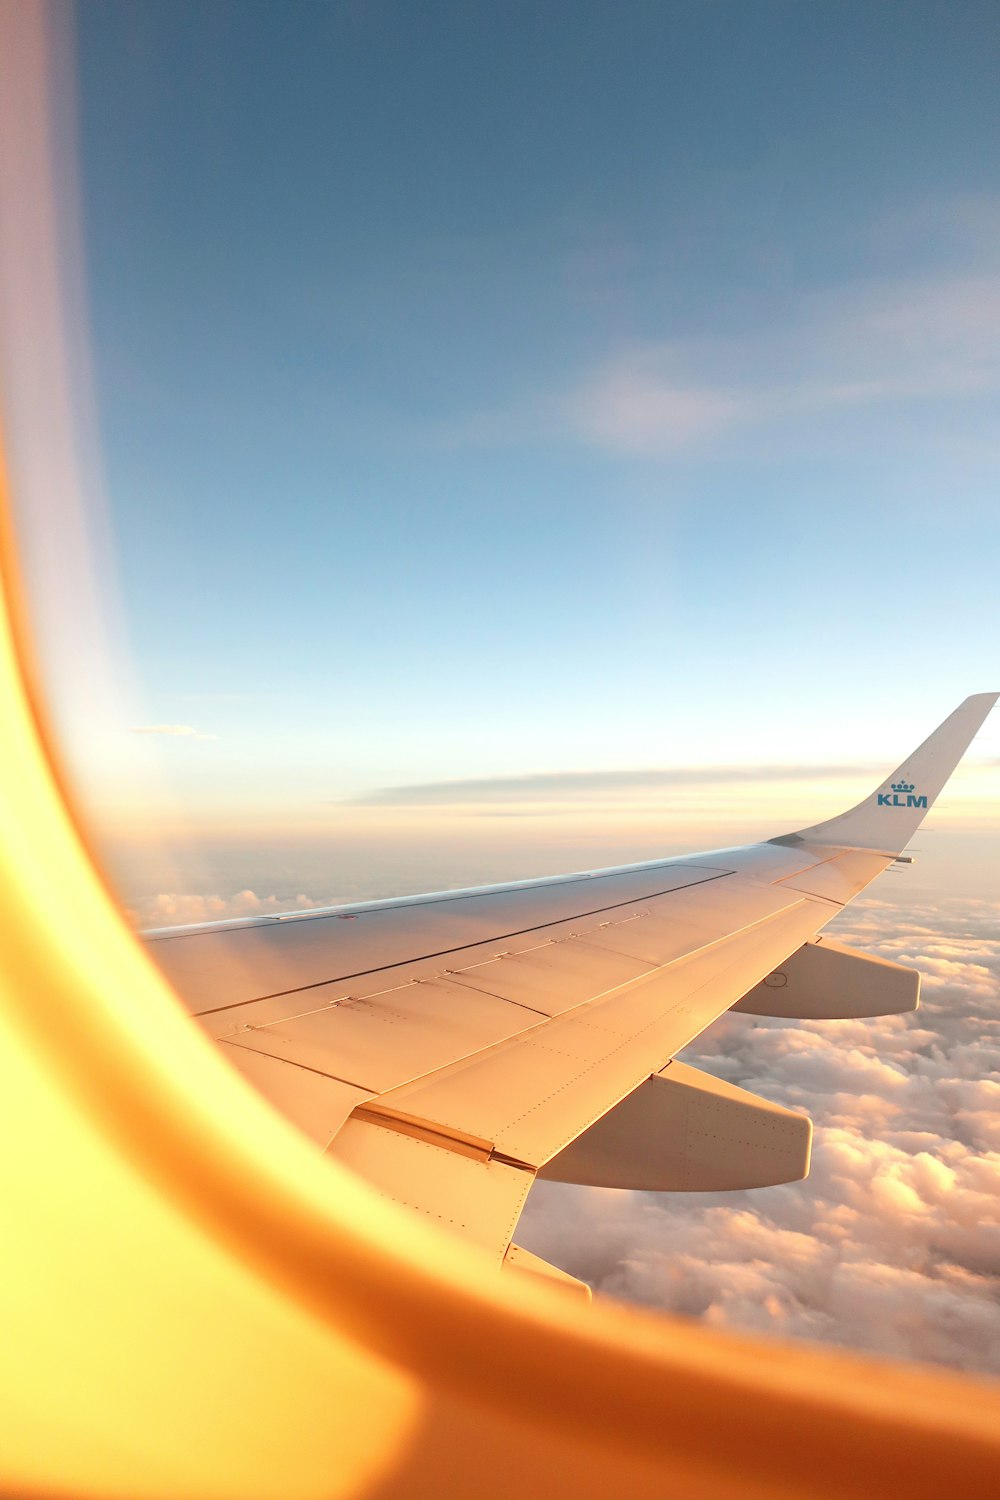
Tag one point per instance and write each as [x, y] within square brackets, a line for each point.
[523, 1263]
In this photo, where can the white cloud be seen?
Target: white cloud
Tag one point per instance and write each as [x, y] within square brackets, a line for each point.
[175, 731]
[916, 340]
[637, 403]
[175, 909]
[929, 339]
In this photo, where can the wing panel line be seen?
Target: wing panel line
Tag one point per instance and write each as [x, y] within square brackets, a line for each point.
[366, 1088]
[499, 937]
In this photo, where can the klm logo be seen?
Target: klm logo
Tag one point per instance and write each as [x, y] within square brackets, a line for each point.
[901, 796]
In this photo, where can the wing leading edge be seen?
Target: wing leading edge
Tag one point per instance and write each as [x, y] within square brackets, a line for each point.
[452, 1048]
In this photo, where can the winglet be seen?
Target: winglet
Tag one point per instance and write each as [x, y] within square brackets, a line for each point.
[888, 819]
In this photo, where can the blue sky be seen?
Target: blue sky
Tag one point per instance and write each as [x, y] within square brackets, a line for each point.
[500, 389]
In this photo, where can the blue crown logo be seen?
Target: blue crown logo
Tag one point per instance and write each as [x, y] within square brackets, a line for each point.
[902, 795]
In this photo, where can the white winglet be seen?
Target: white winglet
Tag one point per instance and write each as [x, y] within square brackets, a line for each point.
[888, 819]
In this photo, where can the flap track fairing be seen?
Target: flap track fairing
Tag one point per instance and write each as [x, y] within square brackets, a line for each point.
[828, 981]
[685, 1131]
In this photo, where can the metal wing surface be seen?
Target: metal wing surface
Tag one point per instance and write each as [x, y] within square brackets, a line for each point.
[452, 1047]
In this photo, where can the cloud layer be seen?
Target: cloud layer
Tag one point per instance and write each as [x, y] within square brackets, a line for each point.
[177, 909]
[893, 1243]
[561, 786]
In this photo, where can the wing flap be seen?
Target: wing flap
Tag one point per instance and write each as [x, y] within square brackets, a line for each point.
[523, 1263]
[318, 1105]
[530, 1096]
[377, 1042]
[463, 1189]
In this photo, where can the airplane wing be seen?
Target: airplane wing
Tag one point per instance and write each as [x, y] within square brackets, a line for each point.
[452, 1047]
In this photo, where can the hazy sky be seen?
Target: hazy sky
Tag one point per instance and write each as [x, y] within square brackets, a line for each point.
[501, 389]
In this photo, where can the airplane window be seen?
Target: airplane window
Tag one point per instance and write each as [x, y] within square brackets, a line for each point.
[437, 440]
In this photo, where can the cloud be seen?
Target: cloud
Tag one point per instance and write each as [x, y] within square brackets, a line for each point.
[175, 731]
[892, 1243]
[175, 909]
[640, 400]
[555, 786]
[919, 340]
[928, 338]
